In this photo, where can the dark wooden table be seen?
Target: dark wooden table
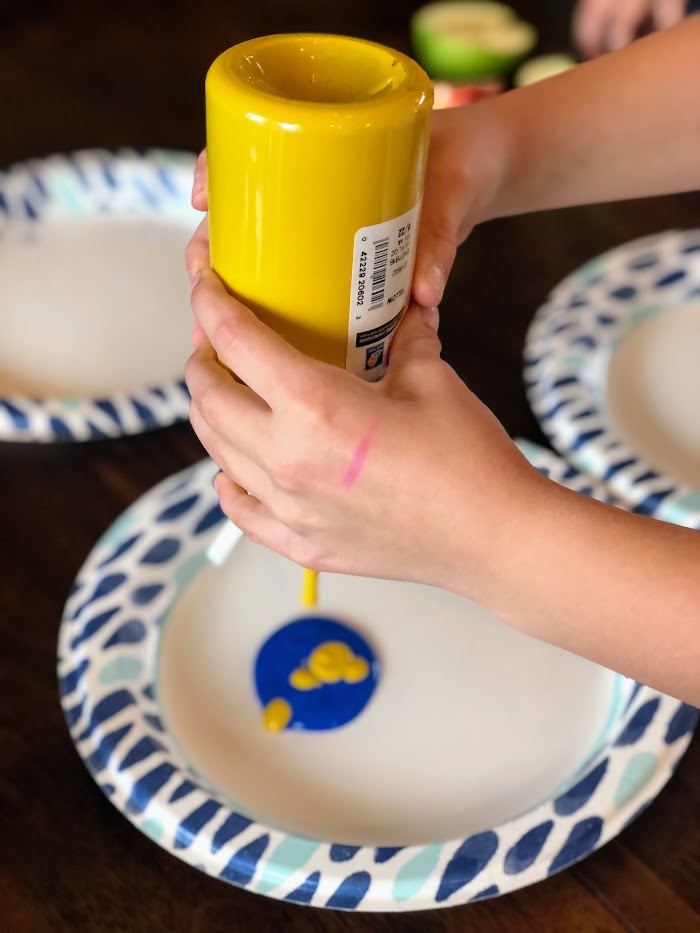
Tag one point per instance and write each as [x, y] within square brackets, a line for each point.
[83, 73]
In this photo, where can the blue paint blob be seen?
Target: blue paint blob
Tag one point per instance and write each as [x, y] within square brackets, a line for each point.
[491, 891]
[229, 829]
[384, 853]
[121, 549]
[340, 853]
[521, 855]
[468, 861]
[350, 891]
[624, 293]
[194, 822]
[212, 517]
[70, 681]
[582, 839]
[144, 595]
[181, 791]
[682, 722]
[177, 509]
[671, 278]
[144, 748]
[162, 551]
[575, 797]
[129, 633]
[147, 787]
[328, 705]
[305, 892]
[638, 724]
[242, 865]
[100, 757]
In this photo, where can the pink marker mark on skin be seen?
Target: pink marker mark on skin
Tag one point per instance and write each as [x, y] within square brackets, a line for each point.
[359, 458]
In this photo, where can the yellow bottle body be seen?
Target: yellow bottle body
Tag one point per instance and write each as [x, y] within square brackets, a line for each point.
[311, 140]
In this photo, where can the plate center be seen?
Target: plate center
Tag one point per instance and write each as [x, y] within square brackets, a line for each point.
[93, 305]
[471, 723]
[653, 392]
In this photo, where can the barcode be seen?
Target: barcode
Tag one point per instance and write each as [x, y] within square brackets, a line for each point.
[378, 277]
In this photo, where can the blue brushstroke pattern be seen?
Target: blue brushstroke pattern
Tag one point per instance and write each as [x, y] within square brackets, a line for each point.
[682, 722]
[639, 723]
[191, 825]
[231, 827]
[578, 795]
[468, 861]
[582, 840]
[350, 891]
[241, 867]
[305, 892]
[524, 852]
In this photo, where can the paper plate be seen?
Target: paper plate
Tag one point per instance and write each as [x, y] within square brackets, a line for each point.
[95, 326]
[484, 762]
[611, 369]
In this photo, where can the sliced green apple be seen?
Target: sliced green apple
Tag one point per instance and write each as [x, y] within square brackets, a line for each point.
[465, 41]
[544, 66]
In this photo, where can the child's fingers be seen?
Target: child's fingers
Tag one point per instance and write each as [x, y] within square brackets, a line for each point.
[237, 466]
[231, 410]
[442, 214]
[199, 185]
[626, 22]
[254, 519]
[197, 335]
[259, 357]
[590, 26]
[197, 252]
[668, 12]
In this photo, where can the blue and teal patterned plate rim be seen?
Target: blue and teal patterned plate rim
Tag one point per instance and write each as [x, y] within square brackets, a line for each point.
[154, 182]
[107, 667]
[568, 350]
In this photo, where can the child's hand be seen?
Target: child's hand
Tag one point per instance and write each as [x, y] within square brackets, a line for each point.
[411, 478]
[605, 25]
[461, 176]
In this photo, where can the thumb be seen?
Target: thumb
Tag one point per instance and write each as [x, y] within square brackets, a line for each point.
[416, 339]
[437, 246]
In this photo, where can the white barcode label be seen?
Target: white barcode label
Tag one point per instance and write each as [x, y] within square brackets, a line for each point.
[382, 270]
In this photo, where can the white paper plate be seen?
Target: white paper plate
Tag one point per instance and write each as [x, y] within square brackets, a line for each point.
[95, 322]
[484, 761]
[611, 369]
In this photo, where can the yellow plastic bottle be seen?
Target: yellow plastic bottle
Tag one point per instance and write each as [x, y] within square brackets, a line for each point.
[316, 147]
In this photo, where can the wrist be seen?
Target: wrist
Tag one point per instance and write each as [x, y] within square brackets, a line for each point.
[490, 545]
[490, 137]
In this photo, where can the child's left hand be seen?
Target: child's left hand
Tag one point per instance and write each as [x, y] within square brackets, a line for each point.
[411, 478]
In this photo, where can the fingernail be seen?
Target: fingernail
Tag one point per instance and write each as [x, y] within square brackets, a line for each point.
[195, 277]
[432, 317]
[436, 280]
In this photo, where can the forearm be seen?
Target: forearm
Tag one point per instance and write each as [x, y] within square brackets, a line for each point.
[617, 588]
[626, 125]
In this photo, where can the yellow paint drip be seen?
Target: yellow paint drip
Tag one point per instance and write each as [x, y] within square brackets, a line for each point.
[303, 679]
[309, 589]
[328, 662]
[355, 671]
[277, 715]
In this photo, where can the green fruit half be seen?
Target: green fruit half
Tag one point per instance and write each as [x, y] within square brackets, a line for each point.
[463, 41]
[544, 66]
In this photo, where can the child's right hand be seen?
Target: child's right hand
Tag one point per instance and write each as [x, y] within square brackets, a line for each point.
[461, 176]
[463, 173]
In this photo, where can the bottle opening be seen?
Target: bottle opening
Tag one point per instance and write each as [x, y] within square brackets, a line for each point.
[321, 69]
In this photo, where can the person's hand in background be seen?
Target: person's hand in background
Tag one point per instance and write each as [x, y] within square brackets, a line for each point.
[605, 25]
